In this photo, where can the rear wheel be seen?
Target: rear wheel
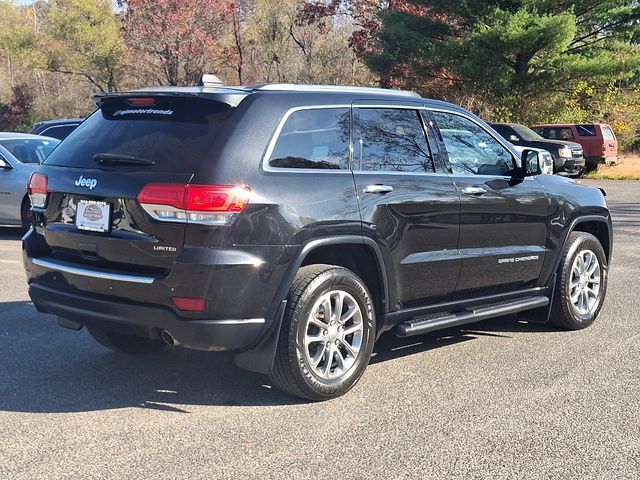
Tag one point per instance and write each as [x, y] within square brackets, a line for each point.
[327, 334]
[121, 342]
[581, 284]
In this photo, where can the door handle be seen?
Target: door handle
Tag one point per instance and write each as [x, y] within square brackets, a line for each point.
[474, 190]
[378, 189]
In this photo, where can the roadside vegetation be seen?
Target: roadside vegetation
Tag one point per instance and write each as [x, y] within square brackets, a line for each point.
[529, 61]
[627, 168]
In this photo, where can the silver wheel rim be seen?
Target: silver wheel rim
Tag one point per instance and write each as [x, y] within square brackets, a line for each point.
[584, 285]
[333, 335]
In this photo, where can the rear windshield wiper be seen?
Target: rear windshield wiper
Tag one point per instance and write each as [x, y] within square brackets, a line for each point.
[116, 158]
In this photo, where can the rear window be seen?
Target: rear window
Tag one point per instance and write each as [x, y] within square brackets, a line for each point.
[607, 133]
[175, 133]
[586, 130]
[30, 151]
[58, 131]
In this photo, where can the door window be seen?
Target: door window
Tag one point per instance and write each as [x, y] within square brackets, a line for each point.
[470, 148]
[391, 140]
[314, 138]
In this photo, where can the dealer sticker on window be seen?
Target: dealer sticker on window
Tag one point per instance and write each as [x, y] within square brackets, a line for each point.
[93, 216]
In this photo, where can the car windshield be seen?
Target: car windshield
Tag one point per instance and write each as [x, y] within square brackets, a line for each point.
[30, 150]
[526, 134]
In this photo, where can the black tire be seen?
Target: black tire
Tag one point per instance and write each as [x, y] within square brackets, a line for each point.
[292, 372]
[26, 217]
[564, 313]
[121, 342]
[578, 174]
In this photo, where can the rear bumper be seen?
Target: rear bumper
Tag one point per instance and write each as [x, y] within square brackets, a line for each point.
[147, 320]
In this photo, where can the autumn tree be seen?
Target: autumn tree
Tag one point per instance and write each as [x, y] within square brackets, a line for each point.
[82, 38]
[178, 41]
[499, 56]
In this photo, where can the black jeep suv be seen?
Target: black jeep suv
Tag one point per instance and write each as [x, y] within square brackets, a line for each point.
[295, 224]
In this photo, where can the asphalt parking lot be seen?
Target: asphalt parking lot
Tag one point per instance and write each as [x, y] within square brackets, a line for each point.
[499, 399]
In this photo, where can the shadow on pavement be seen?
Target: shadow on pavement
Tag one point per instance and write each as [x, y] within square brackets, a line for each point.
[11, 233]
[45, 368]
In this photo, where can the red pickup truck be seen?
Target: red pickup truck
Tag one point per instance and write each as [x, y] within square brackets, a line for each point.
[597, 139]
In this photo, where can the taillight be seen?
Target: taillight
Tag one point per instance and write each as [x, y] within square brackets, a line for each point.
[604, 147]
[37, 188]
[203, 204]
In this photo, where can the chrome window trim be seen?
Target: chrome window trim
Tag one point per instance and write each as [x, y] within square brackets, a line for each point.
[91, 273]
[500, 141]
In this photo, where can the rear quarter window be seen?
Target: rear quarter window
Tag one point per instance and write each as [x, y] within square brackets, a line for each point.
[586, 130]
[177, 134]
[315, 138]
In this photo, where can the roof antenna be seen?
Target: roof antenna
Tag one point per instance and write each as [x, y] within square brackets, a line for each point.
[209, 80]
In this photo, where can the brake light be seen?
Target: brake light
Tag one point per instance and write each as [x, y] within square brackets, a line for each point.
[37, 188]
[204, 204]
[604, 147]
[142, 102]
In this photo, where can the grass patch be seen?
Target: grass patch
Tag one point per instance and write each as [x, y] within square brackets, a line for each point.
[627, 168]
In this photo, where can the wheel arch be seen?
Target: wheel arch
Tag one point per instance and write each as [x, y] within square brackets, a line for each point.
[260, 358]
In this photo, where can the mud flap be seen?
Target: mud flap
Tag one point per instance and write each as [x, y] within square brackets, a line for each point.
[260, 358]
[541, 315]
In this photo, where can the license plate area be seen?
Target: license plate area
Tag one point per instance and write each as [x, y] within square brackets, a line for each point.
[93, 216]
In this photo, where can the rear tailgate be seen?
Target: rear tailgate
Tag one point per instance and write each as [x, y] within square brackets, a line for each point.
[92, 216]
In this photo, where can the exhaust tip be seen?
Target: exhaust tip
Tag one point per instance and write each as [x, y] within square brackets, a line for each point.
[168, 338]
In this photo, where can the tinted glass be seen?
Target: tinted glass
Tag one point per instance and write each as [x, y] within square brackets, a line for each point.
[471, 149]
[607, 133]
[391, 140]
[30, 151]
[586, 130]
[504, 130]
[177, 134]
[315, 138]
[59, 132]
[565, 134]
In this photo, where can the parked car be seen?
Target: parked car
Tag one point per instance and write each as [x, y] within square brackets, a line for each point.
[59, 129]
[546, 159]
[19, 155]
[567, 156]
[598, 141]
[295, 224]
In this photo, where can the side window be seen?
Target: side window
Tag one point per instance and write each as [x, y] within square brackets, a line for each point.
[586, 130]
[314, 138]
[566, 134]
[539, 131]
[553, 134]
[471, 149]
[392, 140]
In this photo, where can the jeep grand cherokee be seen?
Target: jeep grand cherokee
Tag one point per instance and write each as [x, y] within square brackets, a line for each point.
[295, 224]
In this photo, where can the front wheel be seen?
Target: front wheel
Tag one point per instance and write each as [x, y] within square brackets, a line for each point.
[121, 342]
[327, 334]
[581, 283]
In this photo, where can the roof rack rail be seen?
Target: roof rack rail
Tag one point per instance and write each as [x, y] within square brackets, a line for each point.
[292, 87]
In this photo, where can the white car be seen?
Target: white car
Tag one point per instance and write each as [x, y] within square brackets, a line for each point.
[20, 155]
[545, 157]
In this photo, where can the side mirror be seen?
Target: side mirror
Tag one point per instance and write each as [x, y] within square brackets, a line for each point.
[514, 138]
[530, 163]
[4, 164]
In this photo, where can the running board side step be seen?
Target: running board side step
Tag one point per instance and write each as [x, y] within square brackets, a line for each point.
[429, 323]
